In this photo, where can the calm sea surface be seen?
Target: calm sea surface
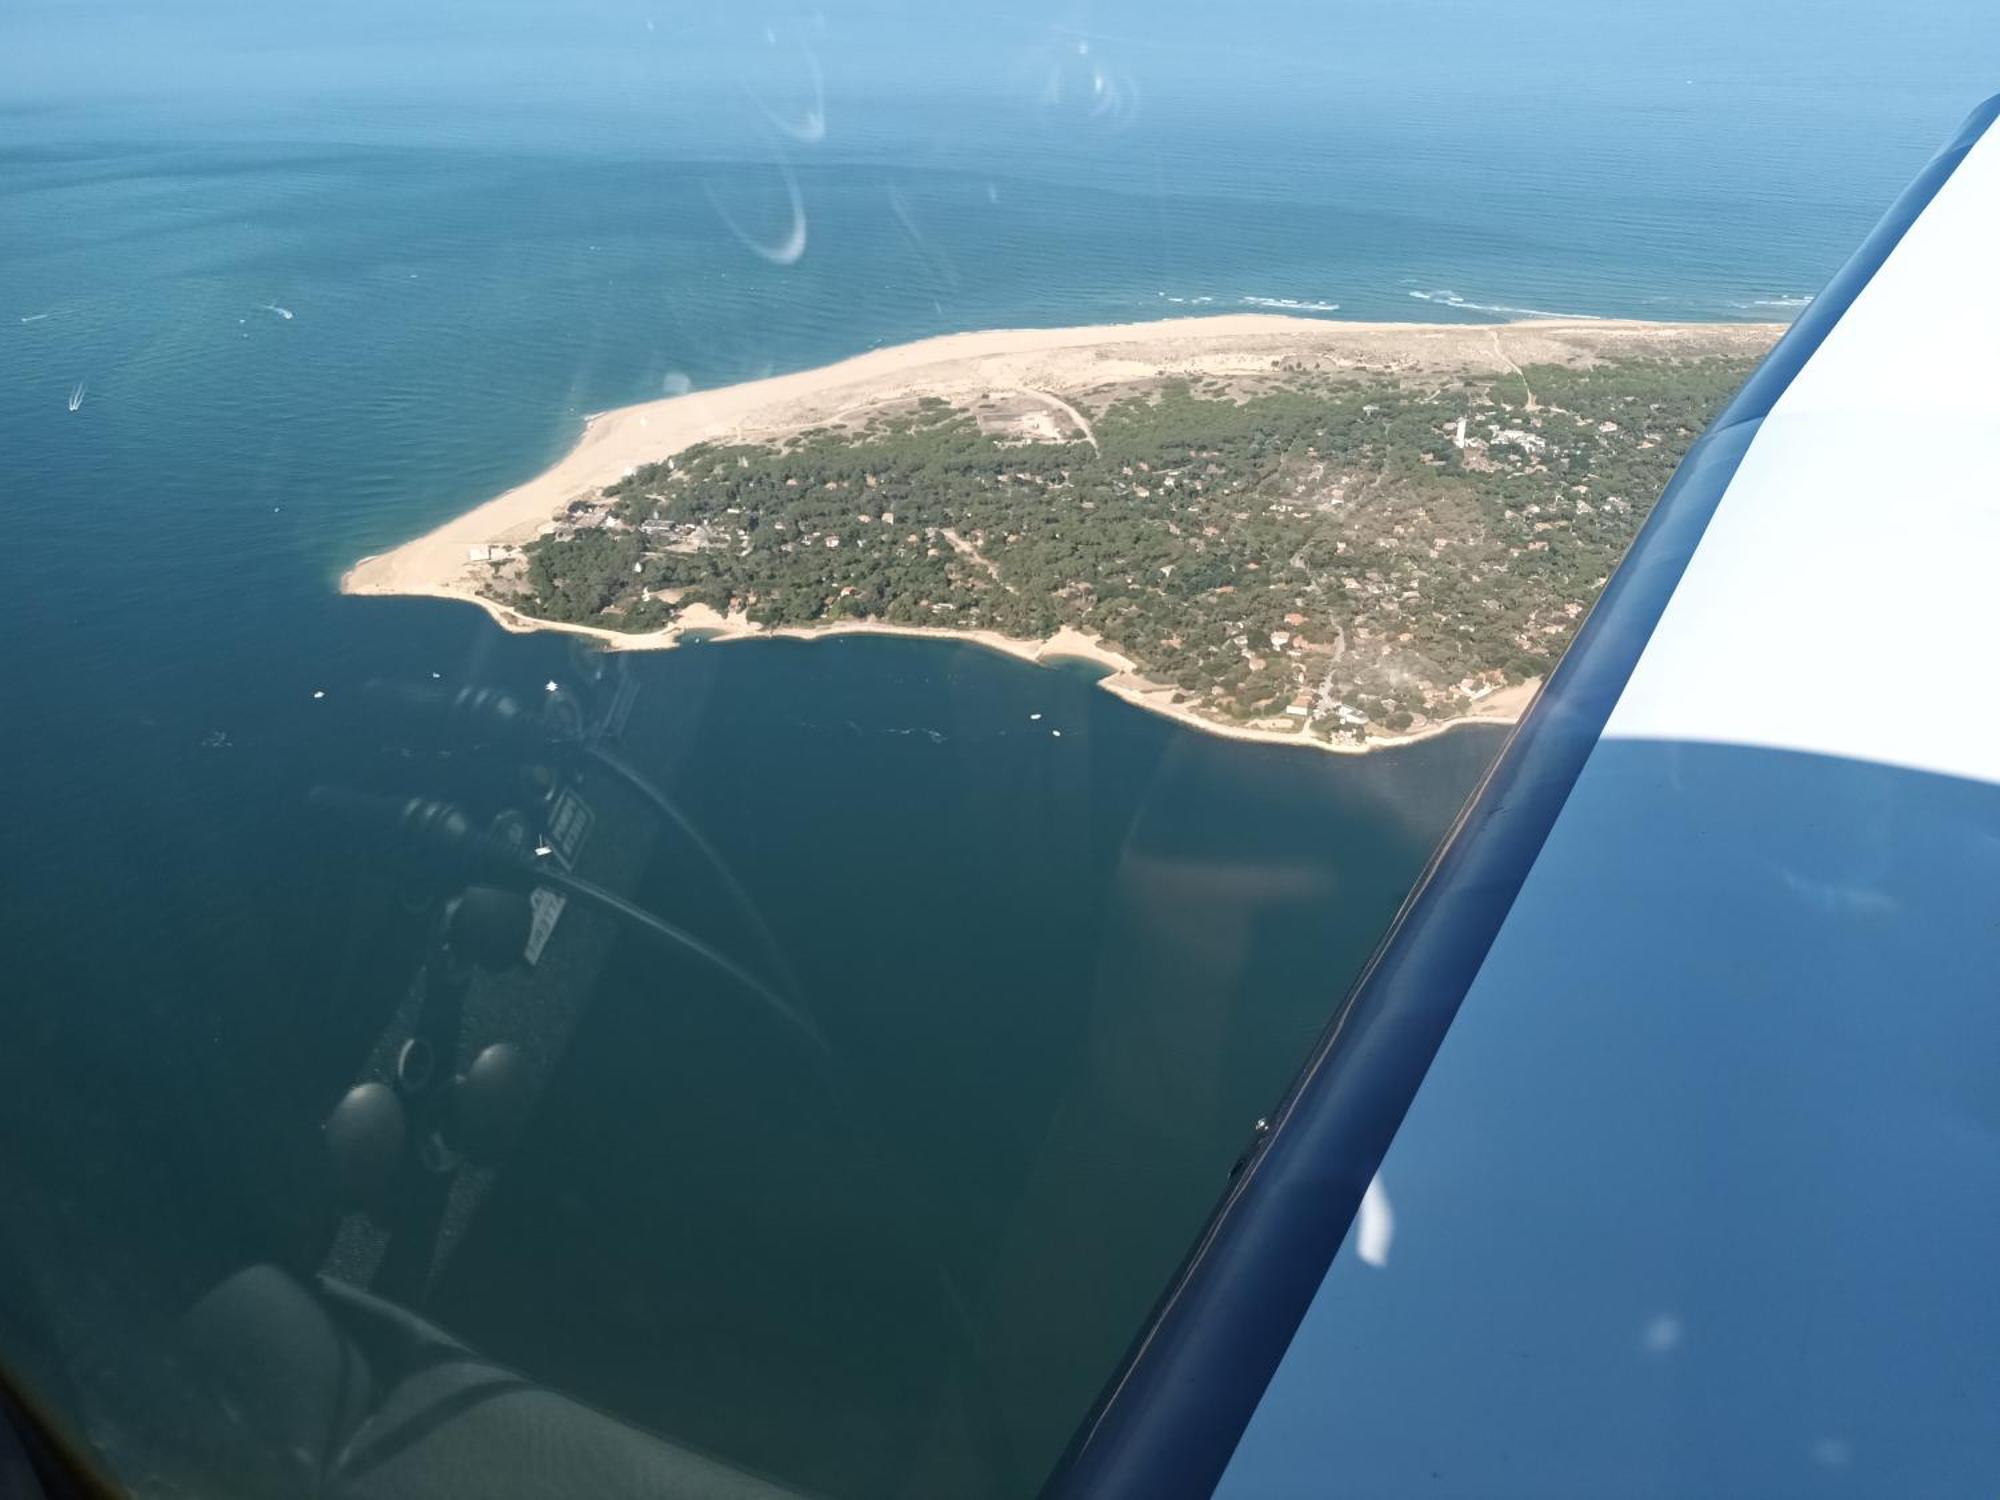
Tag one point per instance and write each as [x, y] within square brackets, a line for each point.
[1062, 962]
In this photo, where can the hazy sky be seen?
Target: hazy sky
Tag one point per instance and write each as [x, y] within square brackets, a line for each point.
[606, 71]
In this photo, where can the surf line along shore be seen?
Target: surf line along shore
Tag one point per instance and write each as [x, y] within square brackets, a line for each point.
[965, 367]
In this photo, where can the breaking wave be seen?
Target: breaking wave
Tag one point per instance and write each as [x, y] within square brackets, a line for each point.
[1448, 298]
[1290, 304]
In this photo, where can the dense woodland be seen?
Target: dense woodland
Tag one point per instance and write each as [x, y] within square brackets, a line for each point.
[1315, 547]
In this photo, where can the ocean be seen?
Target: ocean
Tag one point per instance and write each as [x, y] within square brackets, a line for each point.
[275, 294]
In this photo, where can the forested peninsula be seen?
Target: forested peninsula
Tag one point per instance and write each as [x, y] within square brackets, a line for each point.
[1328, 537]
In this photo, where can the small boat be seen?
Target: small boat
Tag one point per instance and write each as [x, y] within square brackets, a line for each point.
[76, 396]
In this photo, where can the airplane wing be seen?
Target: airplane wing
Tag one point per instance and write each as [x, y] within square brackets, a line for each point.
[1658, 1149]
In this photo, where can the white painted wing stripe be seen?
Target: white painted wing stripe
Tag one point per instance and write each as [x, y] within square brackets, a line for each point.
[1843, 598]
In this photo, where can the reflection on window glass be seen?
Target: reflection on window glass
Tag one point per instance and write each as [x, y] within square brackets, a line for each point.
[703, 702]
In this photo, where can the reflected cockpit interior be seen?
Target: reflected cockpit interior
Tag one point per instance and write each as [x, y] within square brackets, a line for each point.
[831, 1139]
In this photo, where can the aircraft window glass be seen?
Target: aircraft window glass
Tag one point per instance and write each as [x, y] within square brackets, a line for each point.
[443, 1051]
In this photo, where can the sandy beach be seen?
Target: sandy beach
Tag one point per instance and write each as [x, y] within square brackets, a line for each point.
[702, 625]
[1046, 364]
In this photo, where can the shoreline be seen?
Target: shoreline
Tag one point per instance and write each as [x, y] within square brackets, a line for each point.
[1122, 678]
[1043, 362]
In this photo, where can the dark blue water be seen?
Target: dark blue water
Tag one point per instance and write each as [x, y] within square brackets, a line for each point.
[1060, 977]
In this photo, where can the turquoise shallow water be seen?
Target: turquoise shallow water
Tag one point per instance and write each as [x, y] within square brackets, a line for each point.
[1061, 976]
